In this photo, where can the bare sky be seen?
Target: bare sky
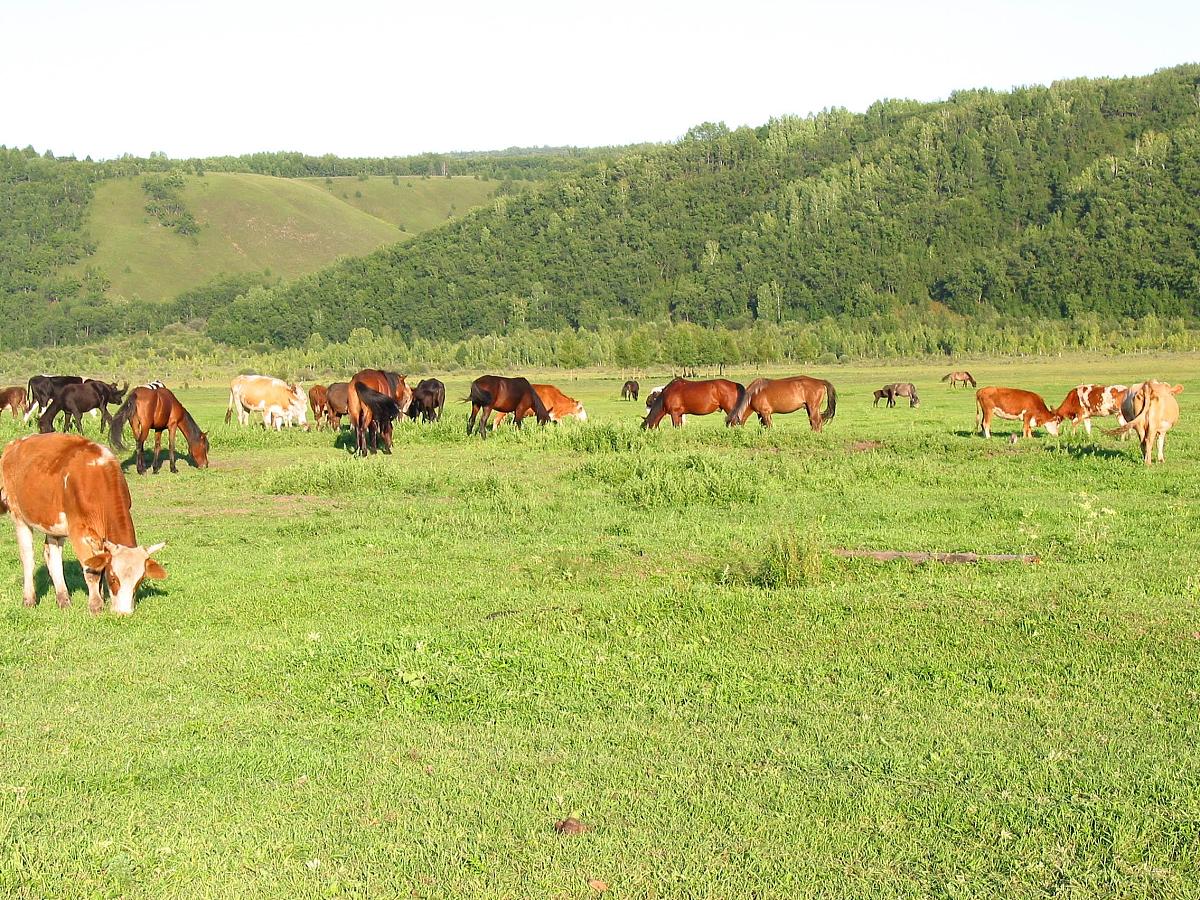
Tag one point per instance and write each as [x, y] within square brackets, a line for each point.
[367, 78]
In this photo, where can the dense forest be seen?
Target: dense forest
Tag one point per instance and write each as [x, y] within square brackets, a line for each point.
[1078, 202]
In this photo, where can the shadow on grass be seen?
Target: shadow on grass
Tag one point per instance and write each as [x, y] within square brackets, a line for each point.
[73, 575]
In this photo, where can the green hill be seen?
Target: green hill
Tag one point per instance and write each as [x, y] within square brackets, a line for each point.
[252, 223]
[1077, 199]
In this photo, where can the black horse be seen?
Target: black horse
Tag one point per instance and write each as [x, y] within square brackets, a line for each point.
[428, 400]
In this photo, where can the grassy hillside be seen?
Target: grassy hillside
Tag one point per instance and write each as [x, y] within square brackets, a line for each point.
[412, 204]
[252, 223]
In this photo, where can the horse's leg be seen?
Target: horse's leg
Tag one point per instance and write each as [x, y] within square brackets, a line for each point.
[764, 419]
[484, 415]
[171, 448]
[157, 453]
[813, 408]
[676, 420]
[471, 418]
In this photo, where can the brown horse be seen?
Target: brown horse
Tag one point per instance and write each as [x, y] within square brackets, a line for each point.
[629, 391]
[378, 412]
[963, 378]
[318, 396]
[337, 399]
[767, 396]
[13, 398]
[508, 395]
[149, 409]
[898, 389]
[696, 398]
[390, 384]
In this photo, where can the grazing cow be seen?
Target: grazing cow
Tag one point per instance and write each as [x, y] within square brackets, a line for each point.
[66, 486]
[42, 389]
[13, 398]
[1088, 400]
[318, 396]
[963, 378]
[337, 400]
[1151, 410]
[428, 400]
[76, 399]
[629, 390]
[557, 404]
[279, 402]
[1014, 403]
[499, 393]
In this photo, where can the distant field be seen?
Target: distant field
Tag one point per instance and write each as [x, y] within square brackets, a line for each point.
[391, 677]
[251, 223]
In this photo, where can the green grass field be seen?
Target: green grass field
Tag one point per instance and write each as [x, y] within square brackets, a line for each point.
[252, 223]
[391, 677]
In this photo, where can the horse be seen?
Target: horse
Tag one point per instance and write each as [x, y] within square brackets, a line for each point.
[511, 395]
[767, 396]
[73, 400]
[317, 398]
[699, 398]
[13, 398]
[882, 394]
[390, 384]
[377, 413]
[337, 399]
[899, 389]
[629, 391]
[428, 400]
[959, 377]
[42, 389]
[157, 409]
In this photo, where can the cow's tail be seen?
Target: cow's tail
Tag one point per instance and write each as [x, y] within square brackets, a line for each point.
[124, 414]
[229, 409]
[830, 402]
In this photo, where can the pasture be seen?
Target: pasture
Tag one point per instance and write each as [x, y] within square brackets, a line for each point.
[392, 676]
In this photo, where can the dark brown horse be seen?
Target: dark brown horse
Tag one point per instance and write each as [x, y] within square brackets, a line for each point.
[508, 395]
[337, 400]
[317, 399]
[898, 389]
[428, 400]
[696, 398]
[629, 391]
[963, 378]
[377, 413]
[13, 398]
[767, 396]
[390, 384]
[149, 409]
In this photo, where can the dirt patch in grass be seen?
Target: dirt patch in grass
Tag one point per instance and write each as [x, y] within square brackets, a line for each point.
[864, 446]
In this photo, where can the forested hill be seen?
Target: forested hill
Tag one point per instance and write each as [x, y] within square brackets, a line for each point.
[1043, 202]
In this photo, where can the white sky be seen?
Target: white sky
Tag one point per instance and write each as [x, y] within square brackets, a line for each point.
[367, 78]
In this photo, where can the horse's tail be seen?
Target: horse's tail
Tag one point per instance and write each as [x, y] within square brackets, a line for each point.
[741, 409]
[830, 402]
[383, 408]
[124, 414]
[946, 377]
[539, 408]
[479, 396]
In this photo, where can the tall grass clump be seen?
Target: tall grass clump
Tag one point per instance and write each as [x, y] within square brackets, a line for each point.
[677, 480]
[348, 476]
[791, 558]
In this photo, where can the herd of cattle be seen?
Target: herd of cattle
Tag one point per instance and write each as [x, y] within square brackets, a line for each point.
[69, 488]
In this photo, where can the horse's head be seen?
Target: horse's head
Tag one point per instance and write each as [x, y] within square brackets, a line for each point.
[200, 451]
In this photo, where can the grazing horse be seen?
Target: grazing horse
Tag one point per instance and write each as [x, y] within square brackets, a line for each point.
[156, 409]
[76, 399]
[767, 396]
[13, 398]
[698, 398]
[337, 400]
[317, 398]
[377, 412]
[500, 394]
[428, 400]
[898, 389]
[390, 384]
[629, 390]
[959, 377]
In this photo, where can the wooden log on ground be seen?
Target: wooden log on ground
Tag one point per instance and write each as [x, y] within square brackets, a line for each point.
[923, 556]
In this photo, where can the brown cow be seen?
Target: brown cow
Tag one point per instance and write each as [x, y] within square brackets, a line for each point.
[66, 486]
[1088, 400]
[557, 404]
[318, 397]
[1152, 411]
[13, 398]
[1014, 403]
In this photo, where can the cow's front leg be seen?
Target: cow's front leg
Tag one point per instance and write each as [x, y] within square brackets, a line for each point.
[52, 554]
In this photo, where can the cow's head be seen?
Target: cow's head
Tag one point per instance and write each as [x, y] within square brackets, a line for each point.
[115, 394]
[579, 412]
[124, 568]
[1051, 425]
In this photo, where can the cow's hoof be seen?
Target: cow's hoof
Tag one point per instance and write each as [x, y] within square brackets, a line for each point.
[64, 600]
[30, 602]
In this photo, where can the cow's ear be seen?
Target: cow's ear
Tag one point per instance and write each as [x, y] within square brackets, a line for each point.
[155, 571]
[1178, 389]
[99, 562]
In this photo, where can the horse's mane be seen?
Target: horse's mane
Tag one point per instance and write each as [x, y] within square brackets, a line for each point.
[190, 429]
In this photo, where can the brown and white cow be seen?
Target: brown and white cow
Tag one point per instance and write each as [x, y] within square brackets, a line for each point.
[1151, 410]
[13, 398]
[1013, 403]
[1087, 400]
[557, 404]
[279, 402]
[66, 486]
